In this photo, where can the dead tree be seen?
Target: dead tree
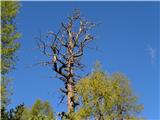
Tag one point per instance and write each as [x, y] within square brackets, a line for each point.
[65, 49]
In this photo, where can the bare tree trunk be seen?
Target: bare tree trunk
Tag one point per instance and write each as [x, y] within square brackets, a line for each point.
[70, 96]
[70, 82]
[70, 88]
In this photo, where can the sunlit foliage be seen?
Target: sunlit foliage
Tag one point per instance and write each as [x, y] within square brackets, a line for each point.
[106, 97]
[9, 45]
[39, 111]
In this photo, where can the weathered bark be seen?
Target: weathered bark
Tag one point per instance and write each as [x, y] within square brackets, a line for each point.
[70, 97]
[70, 82]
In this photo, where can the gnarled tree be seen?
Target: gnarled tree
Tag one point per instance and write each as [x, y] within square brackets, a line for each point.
[65, 50]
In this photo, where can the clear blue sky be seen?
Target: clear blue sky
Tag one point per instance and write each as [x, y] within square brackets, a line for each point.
[128, 38]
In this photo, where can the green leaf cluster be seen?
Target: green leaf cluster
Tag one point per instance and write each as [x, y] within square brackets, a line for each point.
[39, 111]
[106, 97]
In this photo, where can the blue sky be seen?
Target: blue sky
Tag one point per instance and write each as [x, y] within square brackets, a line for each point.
[127, 38]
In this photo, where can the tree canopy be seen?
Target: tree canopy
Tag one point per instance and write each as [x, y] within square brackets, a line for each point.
[106, 97]
[39, 111]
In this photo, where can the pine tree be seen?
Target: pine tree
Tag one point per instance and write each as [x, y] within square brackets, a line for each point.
[9, 45]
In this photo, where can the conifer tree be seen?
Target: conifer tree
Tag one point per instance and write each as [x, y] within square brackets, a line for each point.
[9, 45]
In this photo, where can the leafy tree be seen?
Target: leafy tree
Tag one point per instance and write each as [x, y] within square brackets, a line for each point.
[106, 97]
[9, 45]
[39, 111]
[64, 51]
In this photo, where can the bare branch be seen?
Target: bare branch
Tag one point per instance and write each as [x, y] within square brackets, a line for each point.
[62, 98]
[65, 50]
[63, 91]
[42, 45]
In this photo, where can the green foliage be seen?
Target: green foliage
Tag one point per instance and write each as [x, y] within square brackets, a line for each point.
[9, 45]
[9, 34]
[13, 114]
[39, 111]
[106, 97]
[6, 90]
